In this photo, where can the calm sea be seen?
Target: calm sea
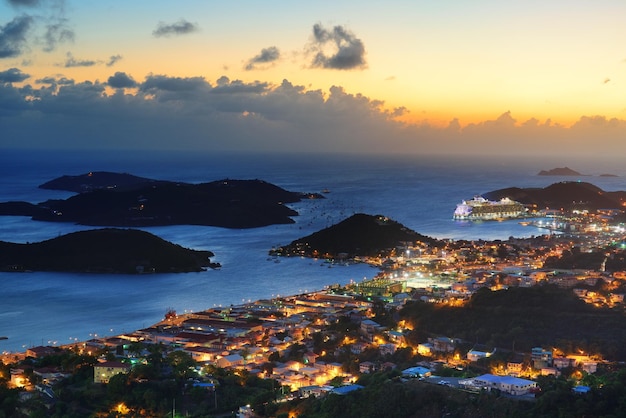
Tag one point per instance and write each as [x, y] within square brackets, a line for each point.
[420, 192]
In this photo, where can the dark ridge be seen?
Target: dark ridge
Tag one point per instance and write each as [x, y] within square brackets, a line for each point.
[19, 209]
[358, 235]
[225, 203]
[95, 180]
[560, 171]
[103, 251]
[563, 195]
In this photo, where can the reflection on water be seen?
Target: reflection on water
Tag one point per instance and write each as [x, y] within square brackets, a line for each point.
[419, 192]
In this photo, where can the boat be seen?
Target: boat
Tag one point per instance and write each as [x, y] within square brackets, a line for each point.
[481, 209]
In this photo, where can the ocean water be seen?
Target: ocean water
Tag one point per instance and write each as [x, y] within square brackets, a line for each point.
[421, 192]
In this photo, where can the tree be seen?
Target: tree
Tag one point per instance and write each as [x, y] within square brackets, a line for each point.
[182, 363]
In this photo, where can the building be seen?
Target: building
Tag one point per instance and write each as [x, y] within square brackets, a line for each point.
[508, 384]
[366, 367]
[416, 371]
[443, 344]
[232, 360]
[40, 351]
[480, 351]
[541, 358]
[103, 372]
[425, 349]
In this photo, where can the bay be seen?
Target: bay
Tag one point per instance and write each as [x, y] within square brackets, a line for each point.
[419, 191]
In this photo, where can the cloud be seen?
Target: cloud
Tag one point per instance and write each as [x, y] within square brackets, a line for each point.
[338, 49]
[232, 115]
[57, 32]
[70, 62]
[121, 80]
[182, 27]
[267, 55]
[27, 3]
[13, 75]
[175, 84]
[61, 81]
[113, 59]
[13, 36]
[56, 29]
[225, 85]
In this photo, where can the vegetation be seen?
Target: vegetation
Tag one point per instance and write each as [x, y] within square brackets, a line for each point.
[519, 317]
[523, 318]
[359, 235]
[564, 195]
[104, 250]
[168, 380]
[225, 203]
[385, 395]
[591, 260]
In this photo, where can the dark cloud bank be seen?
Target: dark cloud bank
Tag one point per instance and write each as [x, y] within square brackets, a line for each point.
[163, 112]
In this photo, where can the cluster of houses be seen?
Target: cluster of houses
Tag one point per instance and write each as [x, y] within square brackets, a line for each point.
[253, 335]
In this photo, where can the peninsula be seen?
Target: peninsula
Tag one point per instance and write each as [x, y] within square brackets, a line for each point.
[109, 199]
[360, 235]
[564, 195]
[103, 251]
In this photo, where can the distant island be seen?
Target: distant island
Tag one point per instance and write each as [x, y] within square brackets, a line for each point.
[360, 235]
[104, 251]
[95, 180]
[562, 171]
[123, 200]
[567, 195]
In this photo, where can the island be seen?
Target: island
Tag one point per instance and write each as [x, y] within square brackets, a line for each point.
[559, 171]
[95, 180]
[110, 250]
[108, 199]
[360, 235]
[566, 195]
[522, 327]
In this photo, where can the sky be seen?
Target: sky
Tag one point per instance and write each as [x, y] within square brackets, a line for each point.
[474, 77]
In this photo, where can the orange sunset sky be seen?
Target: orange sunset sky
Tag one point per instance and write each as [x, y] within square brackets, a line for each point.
[398, 76]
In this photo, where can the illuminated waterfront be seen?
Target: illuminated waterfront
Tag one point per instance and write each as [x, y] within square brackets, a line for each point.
[421, 194]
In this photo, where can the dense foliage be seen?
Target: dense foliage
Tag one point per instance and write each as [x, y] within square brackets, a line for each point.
[103, 250]
[523, 318]
[358, 235]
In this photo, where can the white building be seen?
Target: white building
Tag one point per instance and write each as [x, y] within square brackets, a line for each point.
[509, 384]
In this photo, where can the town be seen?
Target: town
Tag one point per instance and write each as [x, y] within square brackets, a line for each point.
[326, 343]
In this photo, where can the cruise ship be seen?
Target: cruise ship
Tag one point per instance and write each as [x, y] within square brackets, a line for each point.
[481, 209]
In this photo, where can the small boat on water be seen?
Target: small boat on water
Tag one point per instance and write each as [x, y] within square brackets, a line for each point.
[3, 337]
